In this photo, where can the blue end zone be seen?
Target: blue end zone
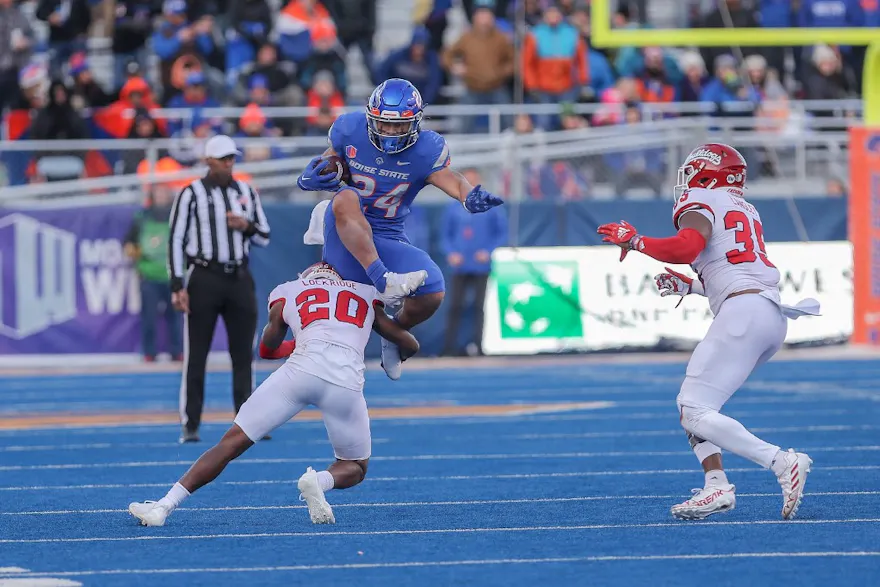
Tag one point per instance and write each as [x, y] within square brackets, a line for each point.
[564, 497]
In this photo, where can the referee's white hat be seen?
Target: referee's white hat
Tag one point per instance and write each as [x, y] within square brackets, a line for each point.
[220, 146]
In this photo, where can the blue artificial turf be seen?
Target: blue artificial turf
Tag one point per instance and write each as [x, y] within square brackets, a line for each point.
[573, 497]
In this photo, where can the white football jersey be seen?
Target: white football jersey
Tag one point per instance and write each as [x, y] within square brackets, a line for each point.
[735, 258]
[331, 322]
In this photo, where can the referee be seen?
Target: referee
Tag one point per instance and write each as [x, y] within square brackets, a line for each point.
[213, 222]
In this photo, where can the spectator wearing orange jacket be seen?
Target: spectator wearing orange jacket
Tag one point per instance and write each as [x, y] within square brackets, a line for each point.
[554, 62]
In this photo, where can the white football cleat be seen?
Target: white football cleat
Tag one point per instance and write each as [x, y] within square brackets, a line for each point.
[400, 285]
[391, 361]
[150, 513]
[792, 480]
[706, 501]
[310, 491]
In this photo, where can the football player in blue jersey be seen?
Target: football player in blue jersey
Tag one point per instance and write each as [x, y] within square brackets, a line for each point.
[391, 159]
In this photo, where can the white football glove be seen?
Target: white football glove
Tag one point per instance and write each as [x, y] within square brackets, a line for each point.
[673, 283]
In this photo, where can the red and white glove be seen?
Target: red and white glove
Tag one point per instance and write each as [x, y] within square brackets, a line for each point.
[673, 283]
[623, 234]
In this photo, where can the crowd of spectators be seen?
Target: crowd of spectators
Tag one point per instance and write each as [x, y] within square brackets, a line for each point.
[258, 53]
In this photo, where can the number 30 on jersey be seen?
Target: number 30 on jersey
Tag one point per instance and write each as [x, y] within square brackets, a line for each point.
[743, 226]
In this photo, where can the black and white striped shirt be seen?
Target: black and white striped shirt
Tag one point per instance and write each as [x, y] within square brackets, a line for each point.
[199, 229]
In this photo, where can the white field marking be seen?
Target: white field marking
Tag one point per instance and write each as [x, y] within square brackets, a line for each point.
[400, 504]
[470, 562]
[390, 458]
[464, 457]
[325, 442]
[433, 478]
[828, 428]
[37, 580]
[664, 415]
[162, 429]
[150, 537]
[19, 577]
[766, 401]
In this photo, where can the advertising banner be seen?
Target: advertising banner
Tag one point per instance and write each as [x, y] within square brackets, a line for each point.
[582, 298]
[66, 285]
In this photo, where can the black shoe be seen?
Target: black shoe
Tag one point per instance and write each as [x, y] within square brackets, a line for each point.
[189, 436]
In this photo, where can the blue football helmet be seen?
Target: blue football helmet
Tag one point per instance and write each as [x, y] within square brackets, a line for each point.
[394, 115]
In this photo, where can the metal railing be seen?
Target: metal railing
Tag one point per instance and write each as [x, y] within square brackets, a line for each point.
[801, 150]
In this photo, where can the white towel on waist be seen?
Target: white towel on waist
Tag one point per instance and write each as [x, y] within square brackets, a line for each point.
[805, 307]
[315, 234]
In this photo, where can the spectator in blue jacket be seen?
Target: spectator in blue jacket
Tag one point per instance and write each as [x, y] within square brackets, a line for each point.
[174, 33]
[252, 23]
[180, 45]
[601, 75]
[727, 88]
[601, 72]
[194, 96]
[417, 63]
[468, 241]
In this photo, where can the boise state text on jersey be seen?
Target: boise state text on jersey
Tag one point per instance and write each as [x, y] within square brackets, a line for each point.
[387, 182]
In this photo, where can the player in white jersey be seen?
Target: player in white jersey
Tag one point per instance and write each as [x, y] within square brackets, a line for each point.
[721, 236]
[331, 321]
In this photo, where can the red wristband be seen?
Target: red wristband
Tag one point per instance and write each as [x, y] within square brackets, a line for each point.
[682, 248]
[284, 350]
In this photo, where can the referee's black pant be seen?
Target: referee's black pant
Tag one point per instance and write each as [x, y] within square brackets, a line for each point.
[461, 283]
[212, 294]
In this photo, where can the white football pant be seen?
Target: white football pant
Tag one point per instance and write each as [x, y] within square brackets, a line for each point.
[748, 330]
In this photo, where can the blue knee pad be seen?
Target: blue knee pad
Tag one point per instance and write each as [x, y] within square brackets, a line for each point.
[398, 256]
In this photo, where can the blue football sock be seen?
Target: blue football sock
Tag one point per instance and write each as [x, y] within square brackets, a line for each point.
[376, 272]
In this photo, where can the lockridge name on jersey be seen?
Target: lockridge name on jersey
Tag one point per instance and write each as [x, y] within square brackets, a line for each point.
[330, 282]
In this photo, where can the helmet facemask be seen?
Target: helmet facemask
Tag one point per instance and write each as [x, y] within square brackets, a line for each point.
[685, 173]
[404, 134]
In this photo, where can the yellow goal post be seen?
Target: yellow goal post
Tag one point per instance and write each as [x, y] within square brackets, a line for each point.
[602, 35]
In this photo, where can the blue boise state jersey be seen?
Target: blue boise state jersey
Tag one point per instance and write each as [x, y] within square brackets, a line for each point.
[387, 184]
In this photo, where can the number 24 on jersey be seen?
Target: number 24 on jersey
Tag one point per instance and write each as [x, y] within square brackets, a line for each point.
[390, 202]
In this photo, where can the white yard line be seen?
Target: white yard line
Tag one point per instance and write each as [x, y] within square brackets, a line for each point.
[469, 562]
[509, 476]
[512, 529]
[479, 502]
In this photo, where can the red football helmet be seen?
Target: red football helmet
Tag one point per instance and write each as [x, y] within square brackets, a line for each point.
[713, 165]
[319, 270]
